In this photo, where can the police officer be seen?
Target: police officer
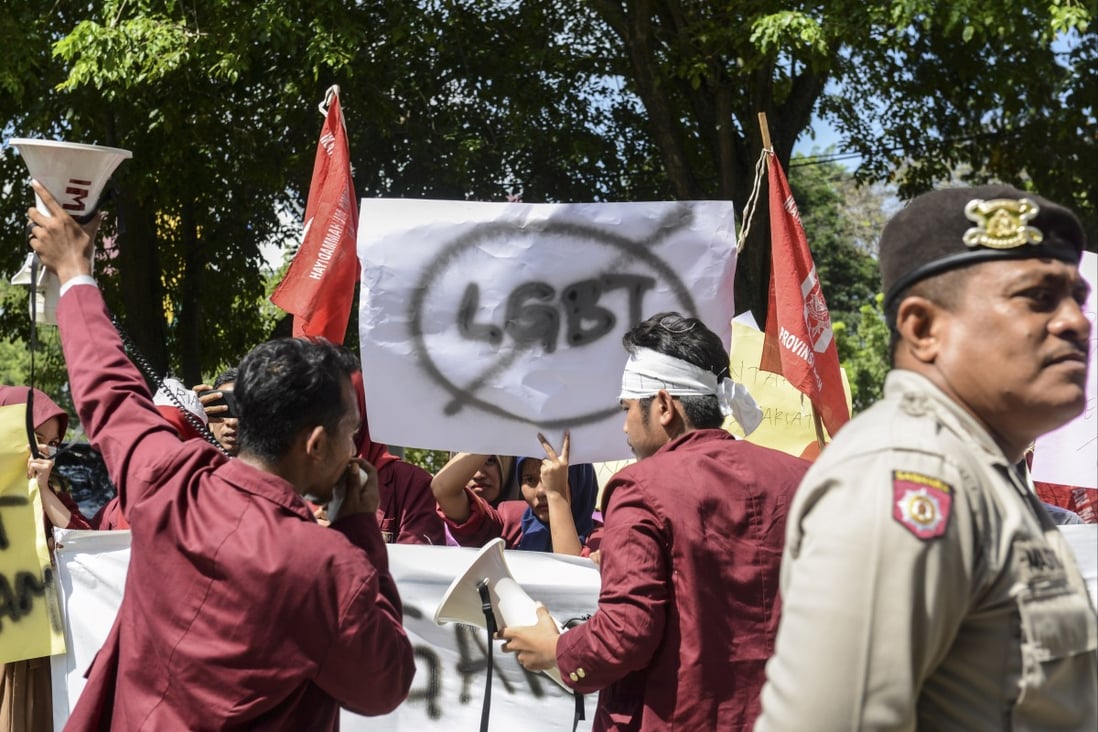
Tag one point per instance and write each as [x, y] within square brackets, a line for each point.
[924, 586]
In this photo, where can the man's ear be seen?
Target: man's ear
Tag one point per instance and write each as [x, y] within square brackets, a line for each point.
[316, 440]
[919, 322]
[664, 404]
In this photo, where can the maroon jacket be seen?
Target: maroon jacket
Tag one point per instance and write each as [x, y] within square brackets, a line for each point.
[406, 513]
[240, 611]
[689, 607]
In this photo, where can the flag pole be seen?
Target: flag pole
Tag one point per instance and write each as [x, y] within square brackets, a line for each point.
[765, 129]
[817, 421]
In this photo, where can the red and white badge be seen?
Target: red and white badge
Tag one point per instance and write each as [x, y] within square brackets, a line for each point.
[921, 503]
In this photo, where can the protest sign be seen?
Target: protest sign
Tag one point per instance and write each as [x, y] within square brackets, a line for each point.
[484, 323]
[1069, 455]
[787, 413]
[451, 660]
[30, 623]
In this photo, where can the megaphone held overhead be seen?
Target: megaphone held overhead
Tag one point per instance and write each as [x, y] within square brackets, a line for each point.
[510, 603]
[75, 175]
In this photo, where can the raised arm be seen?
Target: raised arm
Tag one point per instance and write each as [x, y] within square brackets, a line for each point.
[111, 397]
[449, 483]
[625, 632]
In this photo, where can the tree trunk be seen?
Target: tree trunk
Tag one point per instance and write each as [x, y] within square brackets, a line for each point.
[189, 338]
[139, 280]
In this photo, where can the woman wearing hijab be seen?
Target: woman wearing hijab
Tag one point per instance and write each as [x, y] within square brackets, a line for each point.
[26, 703]
[555, 514]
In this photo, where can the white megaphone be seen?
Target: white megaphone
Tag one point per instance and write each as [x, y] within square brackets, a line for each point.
[511, 606]
[75, 175]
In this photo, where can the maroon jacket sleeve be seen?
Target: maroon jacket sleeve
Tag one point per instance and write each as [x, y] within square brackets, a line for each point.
[594, 540]
[77, 519]
[113, 402]
[483, 525]
[370, 665]
[627, 628]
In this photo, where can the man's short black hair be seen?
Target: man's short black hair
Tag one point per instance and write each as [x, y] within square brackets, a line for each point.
[686, 339]
[288, 385]
[228, 376]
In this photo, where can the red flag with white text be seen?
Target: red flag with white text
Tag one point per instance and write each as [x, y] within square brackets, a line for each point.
[799, 342]
[319, 285]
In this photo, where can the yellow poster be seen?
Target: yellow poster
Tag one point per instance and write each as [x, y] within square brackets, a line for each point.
[787, 413]
[30, 617]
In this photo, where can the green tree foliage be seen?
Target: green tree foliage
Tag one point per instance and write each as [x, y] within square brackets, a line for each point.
[864, 353]
[919, 88]
[842, 221]
[218, 100]
[48, 367]
[430, 460]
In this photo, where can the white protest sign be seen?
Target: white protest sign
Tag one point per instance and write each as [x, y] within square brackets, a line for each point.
[1069, 455]
[451, 660]
[484, 323]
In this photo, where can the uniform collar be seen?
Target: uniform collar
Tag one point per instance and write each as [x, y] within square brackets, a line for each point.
[919, 395]
[265, 485]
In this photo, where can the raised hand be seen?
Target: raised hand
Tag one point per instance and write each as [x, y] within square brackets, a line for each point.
[554, 468]
[64, 246]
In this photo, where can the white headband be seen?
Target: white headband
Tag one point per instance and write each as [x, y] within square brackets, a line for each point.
[647, 372]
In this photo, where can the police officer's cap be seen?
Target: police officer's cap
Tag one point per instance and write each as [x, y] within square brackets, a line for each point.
[955, 227]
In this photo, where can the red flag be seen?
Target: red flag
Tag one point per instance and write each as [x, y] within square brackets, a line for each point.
[799, 343]
[320, 283]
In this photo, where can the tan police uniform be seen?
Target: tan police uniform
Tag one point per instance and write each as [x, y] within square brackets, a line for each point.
[924, 588]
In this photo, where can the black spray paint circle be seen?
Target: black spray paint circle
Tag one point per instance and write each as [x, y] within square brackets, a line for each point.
[638, 250]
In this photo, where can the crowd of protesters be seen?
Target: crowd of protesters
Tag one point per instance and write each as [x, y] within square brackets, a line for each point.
[914, 555]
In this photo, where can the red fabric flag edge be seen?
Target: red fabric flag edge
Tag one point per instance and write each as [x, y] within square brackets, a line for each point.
[799, 342]
[318, 288]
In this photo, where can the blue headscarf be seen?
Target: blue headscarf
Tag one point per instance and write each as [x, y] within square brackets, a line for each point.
[584, 488]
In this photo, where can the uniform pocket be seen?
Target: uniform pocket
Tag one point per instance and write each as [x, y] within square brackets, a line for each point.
[1058, 626]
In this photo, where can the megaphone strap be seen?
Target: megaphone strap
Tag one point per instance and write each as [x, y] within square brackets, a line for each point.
[490, 624]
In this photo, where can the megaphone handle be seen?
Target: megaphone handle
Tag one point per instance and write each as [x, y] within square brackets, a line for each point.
[490, 623]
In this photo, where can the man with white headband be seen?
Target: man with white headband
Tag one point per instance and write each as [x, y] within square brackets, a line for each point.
[691, 550]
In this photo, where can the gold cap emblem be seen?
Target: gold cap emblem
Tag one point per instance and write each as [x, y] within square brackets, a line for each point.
[1001, 223]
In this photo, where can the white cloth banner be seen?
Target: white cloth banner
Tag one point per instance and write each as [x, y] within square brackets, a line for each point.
[1069, 455]
[451, 660]
[484, 323]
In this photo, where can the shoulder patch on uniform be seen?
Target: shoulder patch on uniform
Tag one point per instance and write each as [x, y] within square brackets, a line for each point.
[921, 503]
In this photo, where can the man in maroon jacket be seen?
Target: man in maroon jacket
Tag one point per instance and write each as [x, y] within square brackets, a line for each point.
[240, 611]
[691, 550]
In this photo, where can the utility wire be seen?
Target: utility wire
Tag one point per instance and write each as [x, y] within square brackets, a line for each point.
[847, 155]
